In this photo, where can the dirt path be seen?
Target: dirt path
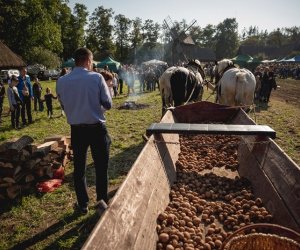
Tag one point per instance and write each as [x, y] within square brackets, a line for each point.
[288, 90]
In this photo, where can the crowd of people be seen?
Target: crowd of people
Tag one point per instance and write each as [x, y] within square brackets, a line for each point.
[265, 83]
[22, 91]
[20, 94]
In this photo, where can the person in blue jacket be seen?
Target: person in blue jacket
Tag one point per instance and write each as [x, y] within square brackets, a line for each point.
[25, 92]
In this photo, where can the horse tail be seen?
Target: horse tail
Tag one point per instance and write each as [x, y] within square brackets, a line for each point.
[240, 88]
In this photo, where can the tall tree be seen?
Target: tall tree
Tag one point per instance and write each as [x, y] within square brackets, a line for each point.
[227, 38]
[121, 30]
[72, 28]
[150, 32]
[208, 37]
[99, 33]
[275, 38]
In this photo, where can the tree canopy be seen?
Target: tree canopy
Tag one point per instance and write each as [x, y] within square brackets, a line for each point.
[39, 29]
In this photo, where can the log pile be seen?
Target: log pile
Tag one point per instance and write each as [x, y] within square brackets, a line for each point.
[23, 164]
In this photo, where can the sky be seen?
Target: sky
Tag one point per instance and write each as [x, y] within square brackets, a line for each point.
[265, 14]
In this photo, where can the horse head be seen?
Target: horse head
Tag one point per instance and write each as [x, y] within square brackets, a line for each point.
[222, 65]
[195, 64]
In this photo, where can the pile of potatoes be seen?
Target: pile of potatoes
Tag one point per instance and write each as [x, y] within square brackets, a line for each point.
[204, 209]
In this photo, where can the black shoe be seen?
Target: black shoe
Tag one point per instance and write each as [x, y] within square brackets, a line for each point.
[80, 210]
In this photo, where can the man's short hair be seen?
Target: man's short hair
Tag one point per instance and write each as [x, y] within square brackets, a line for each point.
[81, 54]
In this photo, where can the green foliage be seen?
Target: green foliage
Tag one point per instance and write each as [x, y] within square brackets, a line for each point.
[43, 56]
[53, 26]
[227, 38]
[99, 33]
[121, 30]
[150, 32]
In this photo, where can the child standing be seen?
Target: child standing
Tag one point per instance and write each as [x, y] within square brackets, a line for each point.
[37, 92]
[14, 101]
[48, 99]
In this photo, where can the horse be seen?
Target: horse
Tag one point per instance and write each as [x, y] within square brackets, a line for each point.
[180, 85]
[235, 86]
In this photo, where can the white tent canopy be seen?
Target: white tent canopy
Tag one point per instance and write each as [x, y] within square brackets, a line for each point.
[154, 62]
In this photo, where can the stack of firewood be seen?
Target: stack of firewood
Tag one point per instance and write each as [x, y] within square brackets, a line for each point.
[23, 164]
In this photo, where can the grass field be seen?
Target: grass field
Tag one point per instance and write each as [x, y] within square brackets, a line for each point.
[36, 221]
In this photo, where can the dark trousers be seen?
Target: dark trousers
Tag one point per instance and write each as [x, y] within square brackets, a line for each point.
[15, 116]
[26, 106]
[49, 109]
[95, 136]
[121, 86]
[37, 103]
[1, 107]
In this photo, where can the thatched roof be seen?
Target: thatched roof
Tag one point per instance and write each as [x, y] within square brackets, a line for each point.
[9, 59]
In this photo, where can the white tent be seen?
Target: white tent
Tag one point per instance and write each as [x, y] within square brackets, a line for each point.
[154, 62]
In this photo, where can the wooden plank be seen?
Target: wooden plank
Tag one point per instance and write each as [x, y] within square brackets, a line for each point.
[262, 187]
[284, 175]
[130, 220]
[214, 129]
[46, 147]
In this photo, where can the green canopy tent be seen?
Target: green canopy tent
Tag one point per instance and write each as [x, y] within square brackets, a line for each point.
[254, 63]
[112, 64]
[242, 60]
[246, 61]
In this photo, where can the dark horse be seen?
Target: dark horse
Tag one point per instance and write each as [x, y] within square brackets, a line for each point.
[180, 85]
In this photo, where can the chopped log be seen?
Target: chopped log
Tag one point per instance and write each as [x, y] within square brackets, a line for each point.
[58, 151]
[2, 164]
[30, 164]
[4, 146]
[10, 155]
[29, 178]
[9, 180]
[13, 191]
[39, 172]
[54, 156]
[43, 163]
[54, 138]
[20, 176]
[5, 184]
[21, 143]
[47, 147]
[68, 140]
[56, 165]
[9, 172]
[47, 158]
[31, 148]
[25, 155]
[65, 160]
[49, 172]
[8, 165]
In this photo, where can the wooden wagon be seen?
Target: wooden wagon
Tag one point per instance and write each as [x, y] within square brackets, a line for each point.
[131, 218]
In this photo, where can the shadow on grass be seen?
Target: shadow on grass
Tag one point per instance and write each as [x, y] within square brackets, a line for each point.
[87, 223]
[119, 166]
[260, 106]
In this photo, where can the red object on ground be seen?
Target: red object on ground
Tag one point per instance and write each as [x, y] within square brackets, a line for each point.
[49, 186]
[59, 173]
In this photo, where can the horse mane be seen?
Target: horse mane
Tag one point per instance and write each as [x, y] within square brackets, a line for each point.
[196, 63]
[224, 65]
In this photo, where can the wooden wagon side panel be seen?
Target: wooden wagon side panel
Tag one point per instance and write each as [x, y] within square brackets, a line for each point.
[284, 175]
[130, 220]
[251, 168]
